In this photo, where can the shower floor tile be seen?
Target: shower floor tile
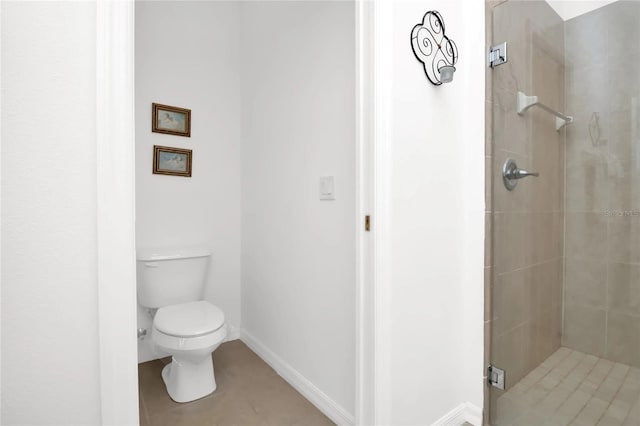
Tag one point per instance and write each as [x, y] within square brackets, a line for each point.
[249, 392]
[573, 388]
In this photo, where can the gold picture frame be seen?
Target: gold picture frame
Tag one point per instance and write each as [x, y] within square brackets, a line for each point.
[171, 161]
[170, 120]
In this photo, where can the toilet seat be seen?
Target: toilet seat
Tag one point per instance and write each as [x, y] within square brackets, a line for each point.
[191, 326]
[189, 320]
[175, 344]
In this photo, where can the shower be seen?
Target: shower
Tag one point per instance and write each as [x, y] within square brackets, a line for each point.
[563, 273]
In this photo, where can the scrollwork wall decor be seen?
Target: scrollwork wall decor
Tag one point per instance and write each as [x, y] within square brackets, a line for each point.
[437, 52]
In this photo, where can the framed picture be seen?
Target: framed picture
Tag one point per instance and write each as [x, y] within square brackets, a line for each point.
[171, 161]
[171, 120]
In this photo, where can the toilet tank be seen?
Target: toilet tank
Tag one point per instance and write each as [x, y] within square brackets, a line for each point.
[170, 276]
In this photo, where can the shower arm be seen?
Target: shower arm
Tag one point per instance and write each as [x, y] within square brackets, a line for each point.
[525, 102]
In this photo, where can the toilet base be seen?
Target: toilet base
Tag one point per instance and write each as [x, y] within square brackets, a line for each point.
[187, 381]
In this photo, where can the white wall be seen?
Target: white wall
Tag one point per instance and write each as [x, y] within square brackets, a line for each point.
[50, 366]
[48, 209]
[187, 56]
[298, 252]
[434, 179]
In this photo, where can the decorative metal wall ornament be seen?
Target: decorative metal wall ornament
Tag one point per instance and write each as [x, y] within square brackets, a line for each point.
[437, 52]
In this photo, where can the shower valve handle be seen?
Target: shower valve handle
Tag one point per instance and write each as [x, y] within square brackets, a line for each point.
[511, 173]
[519, 174]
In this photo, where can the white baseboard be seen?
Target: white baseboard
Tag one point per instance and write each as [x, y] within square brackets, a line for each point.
[233, 333]
[318, 398]
[465, 412]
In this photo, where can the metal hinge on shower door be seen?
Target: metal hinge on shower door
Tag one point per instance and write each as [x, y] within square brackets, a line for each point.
[495, 377]
[498, 55]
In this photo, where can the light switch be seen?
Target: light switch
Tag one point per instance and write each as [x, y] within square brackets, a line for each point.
[327, 189]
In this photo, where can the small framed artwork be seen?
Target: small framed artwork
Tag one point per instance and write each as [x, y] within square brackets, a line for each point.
[171, 161]
[171, 120]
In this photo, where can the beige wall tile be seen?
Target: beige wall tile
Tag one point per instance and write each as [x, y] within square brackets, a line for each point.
[487, 342]
[624, 33]
[488, 238]
[624, 239]
[624, 87]
[624, 178]
[487, 293]
[587, 91]
[560, 226]
[624, 288]
[542, 236]
[556, 337]
[584, 329]
[584, 36]
[622, 148]
[508, 355]
[586, 282]
[623, 30]
[508, 294]
[508, 240]
[544, 329]
[623, 338]
[548, 76]
[547, 158]
[488, 128]
[539, 284]
[530, 343]
[511, 132]
[558, 283]
[587, 187]
[586, 235]
[488, 179]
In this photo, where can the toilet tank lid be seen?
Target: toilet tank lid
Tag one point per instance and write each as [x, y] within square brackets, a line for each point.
[169, 254]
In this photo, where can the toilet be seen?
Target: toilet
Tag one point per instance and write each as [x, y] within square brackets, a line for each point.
[184, 325]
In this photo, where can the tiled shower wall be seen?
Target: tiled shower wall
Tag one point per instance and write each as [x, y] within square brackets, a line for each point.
[526, 268]
[602, 294]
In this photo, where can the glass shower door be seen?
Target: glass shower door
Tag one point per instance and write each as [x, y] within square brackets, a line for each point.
[564, 317]
[528, 219]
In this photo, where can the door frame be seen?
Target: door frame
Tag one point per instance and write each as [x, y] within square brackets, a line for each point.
[365, 206]
[115, 189]
[115, 139]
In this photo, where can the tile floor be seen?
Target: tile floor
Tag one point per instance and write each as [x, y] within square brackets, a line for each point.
[573, 388]
[249, 393]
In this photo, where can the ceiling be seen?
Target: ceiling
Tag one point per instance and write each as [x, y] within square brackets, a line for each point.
[568, 9]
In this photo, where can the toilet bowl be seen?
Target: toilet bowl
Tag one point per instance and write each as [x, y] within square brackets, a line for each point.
[189, 332]
[171, 283]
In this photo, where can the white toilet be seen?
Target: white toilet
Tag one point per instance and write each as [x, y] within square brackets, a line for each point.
[185, 326]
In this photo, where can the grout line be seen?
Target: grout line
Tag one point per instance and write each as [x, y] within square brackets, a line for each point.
[582, 381]
[622, 382]
[531, 407]
[631, 407]
[596, 390]
[564, 230]
[553, 259]
[606, 284]
[605, 350]
[575, 389]
[571, 351]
